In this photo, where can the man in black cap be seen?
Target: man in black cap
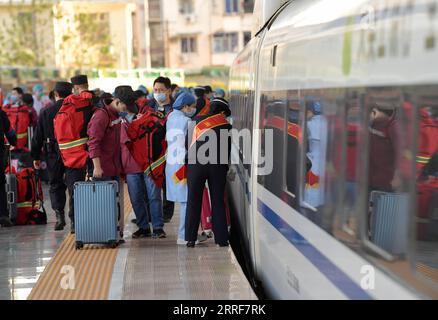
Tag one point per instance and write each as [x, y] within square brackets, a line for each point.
[44, 140]
[213, 169]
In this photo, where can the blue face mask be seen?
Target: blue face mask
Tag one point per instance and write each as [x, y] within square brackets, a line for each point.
[191, 113]
[294, 115]
[130, 117]
[123, 114]
[160, 97]
[13, 99]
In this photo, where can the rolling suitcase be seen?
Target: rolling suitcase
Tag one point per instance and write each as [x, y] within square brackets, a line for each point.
[11, 189]
[97, 213]
[389, 221]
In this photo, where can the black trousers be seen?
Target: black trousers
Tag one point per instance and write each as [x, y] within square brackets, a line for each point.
[3, 201]
[71, 176]
[56, 171]
[168, 206]
[216, 176]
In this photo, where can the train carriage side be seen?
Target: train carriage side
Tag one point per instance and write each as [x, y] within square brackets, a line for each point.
[348, 210]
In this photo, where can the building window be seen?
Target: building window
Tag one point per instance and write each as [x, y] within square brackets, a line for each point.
[232, 6]
[248, 6]
[188, 45]
[225, 42]
[246, 37]
[186, 6]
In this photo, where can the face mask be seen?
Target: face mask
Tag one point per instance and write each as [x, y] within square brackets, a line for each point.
[191, 113]
[123, 114]
[13, 99]
[294, 115]
[130, 117]
[160, 97]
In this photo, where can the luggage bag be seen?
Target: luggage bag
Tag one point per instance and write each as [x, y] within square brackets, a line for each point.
[98, 213]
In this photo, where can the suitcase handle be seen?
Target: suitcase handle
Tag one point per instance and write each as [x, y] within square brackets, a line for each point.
[11, 197]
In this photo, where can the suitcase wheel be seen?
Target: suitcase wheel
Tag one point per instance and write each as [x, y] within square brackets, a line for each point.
[113, 244]
[79, 245]
[121, 234]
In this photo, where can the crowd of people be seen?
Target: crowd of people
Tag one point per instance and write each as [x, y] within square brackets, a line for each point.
[135, 137]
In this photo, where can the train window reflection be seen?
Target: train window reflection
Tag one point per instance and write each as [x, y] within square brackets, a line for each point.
[427, 188]
[273, 109]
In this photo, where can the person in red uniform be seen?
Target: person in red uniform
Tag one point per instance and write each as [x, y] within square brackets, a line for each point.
[384, 145]
[104, 135]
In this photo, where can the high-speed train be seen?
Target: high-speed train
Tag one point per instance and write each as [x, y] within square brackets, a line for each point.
[335, 187]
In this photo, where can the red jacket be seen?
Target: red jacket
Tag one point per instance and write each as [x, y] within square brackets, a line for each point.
[104, 140]
[427, 140]
[384, 153]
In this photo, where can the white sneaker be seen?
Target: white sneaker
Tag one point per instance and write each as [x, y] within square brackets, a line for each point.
[182, 242]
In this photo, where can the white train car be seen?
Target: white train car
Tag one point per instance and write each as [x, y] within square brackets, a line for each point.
[342, 96]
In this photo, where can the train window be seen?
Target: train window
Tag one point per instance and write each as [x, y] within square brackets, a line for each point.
[346, 223]
[293, 143]
[322, 157]
[273, 115]
[402, 180]
[426, 221]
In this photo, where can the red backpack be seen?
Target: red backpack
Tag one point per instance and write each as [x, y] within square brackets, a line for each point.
[148, 144]
[19, 117]
[29, 199]
[71, 124]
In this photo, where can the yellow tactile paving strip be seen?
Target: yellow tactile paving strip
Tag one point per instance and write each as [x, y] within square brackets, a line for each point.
[92, 266]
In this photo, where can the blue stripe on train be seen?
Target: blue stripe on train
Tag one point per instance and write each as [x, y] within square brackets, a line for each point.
[336, 276]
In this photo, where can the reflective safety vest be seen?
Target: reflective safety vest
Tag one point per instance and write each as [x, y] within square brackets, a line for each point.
[148, 145]
[70, 125]
[29, 199]
[19, 117]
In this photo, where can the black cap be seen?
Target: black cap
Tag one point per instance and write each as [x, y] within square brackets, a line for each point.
[219, 105]
[28, 99]
[199, 91]
[208, 89]
[63, 87]
[79, 80]
[126, 95]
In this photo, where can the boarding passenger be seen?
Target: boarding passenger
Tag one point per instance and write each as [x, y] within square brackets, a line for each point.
[383, 149]
[44, 141]
[104, 135]
[71, 123]
[177, 126]
[163, 105]
[213, 171]
[135, 177]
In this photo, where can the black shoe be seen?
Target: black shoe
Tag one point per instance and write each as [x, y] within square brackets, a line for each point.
[166, 220]
[141, 233]
[158, 234]
[6, 222]
[190, 244]
[134, 221]
[72, 227]
[60, 221]
[223, 244]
